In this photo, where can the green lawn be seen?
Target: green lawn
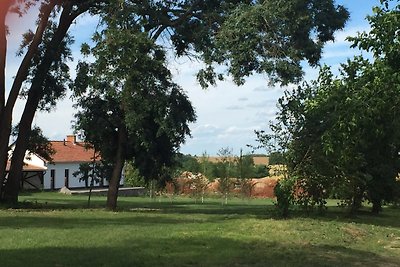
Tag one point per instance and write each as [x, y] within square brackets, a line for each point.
[57, 231]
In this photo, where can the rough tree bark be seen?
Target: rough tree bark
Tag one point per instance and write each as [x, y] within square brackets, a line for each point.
[112, 194]
[376, 206]
[35, 94]
[3, 55]
[6, 111]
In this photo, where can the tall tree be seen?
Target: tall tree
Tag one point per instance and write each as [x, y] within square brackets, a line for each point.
[343, 132]
[43, 72]
[225, 183]
[289, 34]
[7, 107]
[130, 101]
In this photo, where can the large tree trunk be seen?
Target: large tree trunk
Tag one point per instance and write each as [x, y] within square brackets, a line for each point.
[376, 206]
[6, 111]
[35, 94]
[6, 4]
[356, 201]
[5, 130]
[112, 194]
[3, 54]
[12, 187]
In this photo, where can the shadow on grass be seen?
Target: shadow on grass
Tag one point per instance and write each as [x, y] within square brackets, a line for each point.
[88, 222]
[48, 202]
[193, 251]
[390, 217]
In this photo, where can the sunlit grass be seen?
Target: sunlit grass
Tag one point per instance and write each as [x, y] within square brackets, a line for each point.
[57, 230]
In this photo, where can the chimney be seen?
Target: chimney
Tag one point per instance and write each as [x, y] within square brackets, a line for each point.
[71, 138]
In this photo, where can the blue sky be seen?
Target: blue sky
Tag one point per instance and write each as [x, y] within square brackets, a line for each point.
[227, 114]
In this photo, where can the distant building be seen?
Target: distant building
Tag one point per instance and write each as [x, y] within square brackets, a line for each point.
[69, 154]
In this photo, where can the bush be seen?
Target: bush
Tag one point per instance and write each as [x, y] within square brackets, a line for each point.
[133, 177]
[284, 195]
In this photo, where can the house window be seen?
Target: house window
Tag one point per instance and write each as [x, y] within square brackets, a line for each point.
[52, 179]
[66, 178]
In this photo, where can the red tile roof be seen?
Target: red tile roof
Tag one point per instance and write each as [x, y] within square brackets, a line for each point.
[67, 151]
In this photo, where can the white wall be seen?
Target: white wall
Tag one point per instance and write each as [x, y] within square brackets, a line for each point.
[33, 159]
[60, 176]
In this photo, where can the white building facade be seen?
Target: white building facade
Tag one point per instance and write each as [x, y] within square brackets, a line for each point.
[38, 174]
[69, 155]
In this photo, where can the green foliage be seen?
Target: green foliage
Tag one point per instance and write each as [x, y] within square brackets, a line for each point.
[56, 80]
[383, 39]
[188, 163]
[198, 184]
[38, 143]
[260, 171]
[84, 173]
[276, 158]
[225, 183]
[246, 187]
[244, 166]
[239, 167]
[396, 192]
[273, 37]
[284, 192]
[133, 177]
[342, 134]
[96, 171]
[130, 87]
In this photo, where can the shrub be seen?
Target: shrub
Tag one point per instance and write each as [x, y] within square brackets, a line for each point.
[284, 195]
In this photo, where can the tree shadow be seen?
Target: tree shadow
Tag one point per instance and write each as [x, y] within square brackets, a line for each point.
[87, 222]
[192, 251]
[389, 218]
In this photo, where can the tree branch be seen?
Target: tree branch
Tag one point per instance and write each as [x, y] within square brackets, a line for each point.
[3, 52]
[26, 62]
[177, 21]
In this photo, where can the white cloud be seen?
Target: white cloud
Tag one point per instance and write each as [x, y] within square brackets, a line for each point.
[205, 130]
[235, 107]
[261, 89]
[263, 104]
[341, 36]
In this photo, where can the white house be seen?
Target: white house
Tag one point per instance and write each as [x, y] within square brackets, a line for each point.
[69, 154]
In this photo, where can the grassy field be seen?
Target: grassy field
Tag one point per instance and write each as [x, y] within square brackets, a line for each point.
[56, 230]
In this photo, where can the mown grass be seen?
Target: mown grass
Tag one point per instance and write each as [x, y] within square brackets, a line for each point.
[56, 230]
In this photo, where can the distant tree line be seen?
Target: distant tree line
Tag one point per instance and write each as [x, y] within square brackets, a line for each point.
[238, 167]
[194, 174]
[234, 167]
